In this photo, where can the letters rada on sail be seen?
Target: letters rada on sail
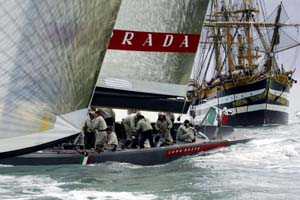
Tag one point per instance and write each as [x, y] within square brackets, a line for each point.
[238, 67]
[151, 53]
[52, 51]
[153, 41]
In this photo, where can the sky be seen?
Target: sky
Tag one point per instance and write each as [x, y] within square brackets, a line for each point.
[292, 8]
[290, 59]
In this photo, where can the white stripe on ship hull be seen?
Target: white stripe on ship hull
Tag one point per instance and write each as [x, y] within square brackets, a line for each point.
[251, 108]
[232, 98]
[280, 93]
[257, 107]
[229, 99]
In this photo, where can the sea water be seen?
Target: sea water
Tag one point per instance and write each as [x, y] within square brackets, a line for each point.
[268, 167]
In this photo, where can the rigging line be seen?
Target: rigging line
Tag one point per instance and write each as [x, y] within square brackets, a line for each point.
[262, 5]
[260, 35]
[198, 68]
[278, 51]
[203, 60]
[226, 52]
[288, 48]
[184, 104]
[206, 66]
[282, 92]
[290, 37]
[210, 59]
[198, 74]
[264, 11]
[293, 63]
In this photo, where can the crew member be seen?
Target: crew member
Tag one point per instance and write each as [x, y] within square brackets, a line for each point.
[99, 126]
[112, 140]
[89, 134]
[109, 116]
[185, 132]
[144, 125]
[171, 116]
[129, 124]
[164, 125]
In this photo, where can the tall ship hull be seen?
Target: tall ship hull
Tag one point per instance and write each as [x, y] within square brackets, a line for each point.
[238, 66]
[264, 101]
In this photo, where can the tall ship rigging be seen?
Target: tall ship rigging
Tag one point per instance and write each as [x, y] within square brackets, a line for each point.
[238, 67]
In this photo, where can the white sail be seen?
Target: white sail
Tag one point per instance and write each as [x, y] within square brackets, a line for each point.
[151, 67]
[50, 54]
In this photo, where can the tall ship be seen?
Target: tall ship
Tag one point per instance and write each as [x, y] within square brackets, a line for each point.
[237, 64]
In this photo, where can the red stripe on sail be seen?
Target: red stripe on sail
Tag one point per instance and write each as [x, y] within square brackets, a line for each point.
[153, 41]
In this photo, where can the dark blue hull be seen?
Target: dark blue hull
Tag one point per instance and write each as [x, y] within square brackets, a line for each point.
[153, 156]
[264, 102]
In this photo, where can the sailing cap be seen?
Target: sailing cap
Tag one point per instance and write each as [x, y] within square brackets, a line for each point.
[161, 114]
[138, 113]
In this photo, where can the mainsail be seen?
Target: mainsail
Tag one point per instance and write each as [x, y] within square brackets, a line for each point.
[51, 53]
[154, 54]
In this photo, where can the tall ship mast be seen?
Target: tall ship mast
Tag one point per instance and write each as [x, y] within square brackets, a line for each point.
[238, 67]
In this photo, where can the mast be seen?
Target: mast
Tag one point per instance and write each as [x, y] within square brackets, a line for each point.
[248, 36]
[229, 41]
[240, 50]
[275, 39]
[229, 22]
[237, 42]
[233, 34]
[216, 39]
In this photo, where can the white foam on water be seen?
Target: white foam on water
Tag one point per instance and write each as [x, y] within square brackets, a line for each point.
[6, 166]
[40, 187]
[261, 142]
[25, 187]
[119, 165]
[280, 153]
[181, 197]
[103, 195]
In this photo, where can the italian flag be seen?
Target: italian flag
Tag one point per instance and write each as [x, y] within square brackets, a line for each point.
[213, 114]
[85, 160]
